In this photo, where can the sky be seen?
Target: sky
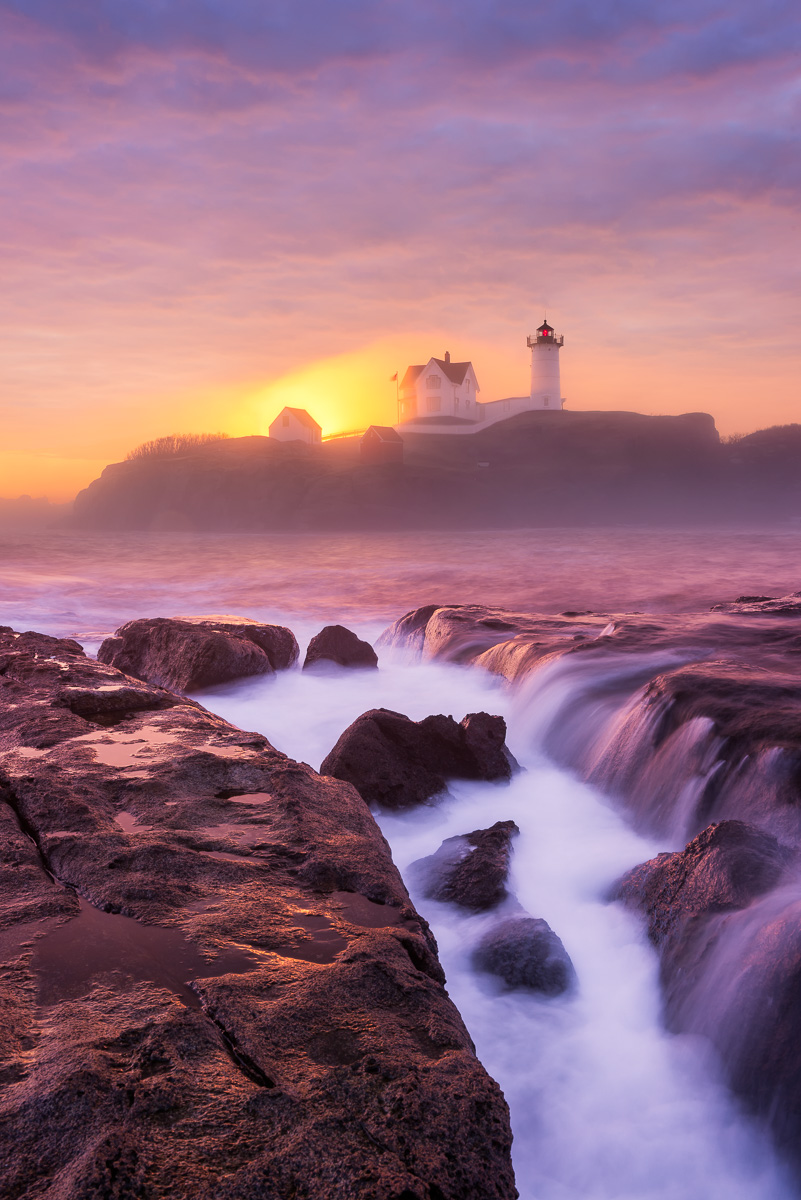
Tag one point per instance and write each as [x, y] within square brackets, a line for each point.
[210, 208]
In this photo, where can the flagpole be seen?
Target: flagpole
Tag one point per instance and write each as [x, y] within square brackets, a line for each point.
[397, 395]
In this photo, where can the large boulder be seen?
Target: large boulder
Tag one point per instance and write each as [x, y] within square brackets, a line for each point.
[395, 762]
[243, 1002]
[188, 653]
[339, 645]
[525, 952]
[470, 869]
[725, 917]
[723, 869]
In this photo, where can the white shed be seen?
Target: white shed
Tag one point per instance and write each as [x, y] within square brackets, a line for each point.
[295, 425]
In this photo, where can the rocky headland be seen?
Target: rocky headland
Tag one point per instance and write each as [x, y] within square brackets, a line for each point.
[534, 469]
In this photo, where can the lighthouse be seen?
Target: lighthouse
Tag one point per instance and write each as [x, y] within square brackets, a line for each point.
[546, 390]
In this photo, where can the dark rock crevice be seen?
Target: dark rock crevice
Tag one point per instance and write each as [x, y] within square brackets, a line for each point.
[241, 1060]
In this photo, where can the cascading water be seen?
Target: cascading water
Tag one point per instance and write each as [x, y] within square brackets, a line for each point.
[605, 1104]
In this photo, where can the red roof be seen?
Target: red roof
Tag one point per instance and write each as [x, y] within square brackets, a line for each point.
[300, 415]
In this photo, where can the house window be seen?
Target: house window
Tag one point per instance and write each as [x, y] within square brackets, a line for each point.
[546, 400]
[456, 403]
[285, 419]
[467, 384]
[433, 382]
[433, 403]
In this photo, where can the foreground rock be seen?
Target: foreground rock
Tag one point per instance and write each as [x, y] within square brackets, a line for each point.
[394, 762]
[274, 1021]
[725, 917]
[339, 645]
[687, 718]
[723, 869]
[470, 869]
[190, 653]
[525, 952]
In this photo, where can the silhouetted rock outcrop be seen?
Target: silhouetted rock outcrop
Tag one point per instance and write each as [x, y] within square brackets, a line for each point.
[470, 869]
[339, 645]
[396, 763]
[197, 652]
[526, 953]
[273, 1022]
[532, 469]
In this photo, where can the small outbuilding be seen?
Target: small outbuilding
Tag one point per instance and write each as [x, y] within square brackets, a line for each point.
[295, 425]
[381, 444]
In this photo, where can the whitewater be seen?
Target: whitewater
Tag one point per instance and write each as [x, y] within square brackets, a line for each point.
[605, 1104]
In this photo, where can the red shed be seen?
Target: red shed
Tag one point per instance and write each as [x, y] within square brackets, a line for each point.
[381, 444]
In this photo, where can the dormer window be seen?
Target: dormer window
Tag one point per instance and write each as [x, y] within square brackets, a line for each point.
[433, 382]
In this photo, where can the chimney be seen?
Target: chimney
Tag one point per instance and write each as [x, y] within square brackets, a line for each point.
[447, 356]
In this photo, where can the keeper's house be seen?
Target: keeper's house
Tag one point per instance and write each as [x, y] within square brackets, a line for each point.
[440, 392]
[295, 425]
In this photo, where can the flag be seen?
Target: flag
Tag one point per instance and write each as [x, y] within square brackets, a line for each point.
[393, 378]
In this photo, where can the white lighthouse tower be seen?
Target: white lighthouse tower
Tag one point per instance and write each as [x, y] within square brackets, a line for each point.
[546, 391]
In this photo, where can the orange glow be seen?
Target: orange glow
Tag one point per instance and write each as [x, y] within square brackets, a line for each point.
[348, 392]
[343, 393]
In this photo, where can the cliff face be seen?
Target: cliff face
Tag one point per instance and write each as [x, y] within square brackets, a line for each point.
[534, 469]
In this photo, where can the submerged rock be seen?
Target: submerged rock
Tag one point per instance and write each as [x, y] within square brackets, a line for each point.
[188, 653]
[395, 762]
[339, 645]
[526, 953]
[273, 1022]
[762, 605]
[470, 869]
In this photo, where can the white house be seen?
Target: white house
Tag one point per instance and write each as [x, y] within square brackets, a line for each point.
[441, 397]
[440, 393]
[295, 425]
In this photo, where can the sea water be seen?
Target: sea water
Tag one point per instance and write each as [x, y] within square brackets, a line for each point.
[605, 1104]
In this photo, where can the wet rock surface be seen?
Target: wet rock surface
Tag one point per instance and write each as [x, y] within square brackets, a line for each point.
[265, 1013]
[706, 707]
[190, 653]
[724, 868]
[725, 917]
[762, 605]
[336, 644]
[395, 762]
[524, 952]
[470, 869]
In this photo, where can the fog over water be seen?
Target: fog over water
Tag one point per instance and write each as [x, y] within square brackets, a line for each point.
[605, 1104]
[71, 583]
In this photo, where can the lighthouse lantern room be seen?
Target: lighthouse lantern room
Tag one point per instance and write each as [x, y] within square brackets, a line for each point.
[546, 389]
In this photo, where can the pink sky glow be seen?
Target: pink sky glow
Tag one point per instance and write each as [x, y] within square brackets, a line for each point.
[210, 207]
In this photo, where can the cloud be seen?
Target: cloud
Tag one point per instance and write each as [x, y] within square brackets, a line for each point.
[288, 36]
[200, 197]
